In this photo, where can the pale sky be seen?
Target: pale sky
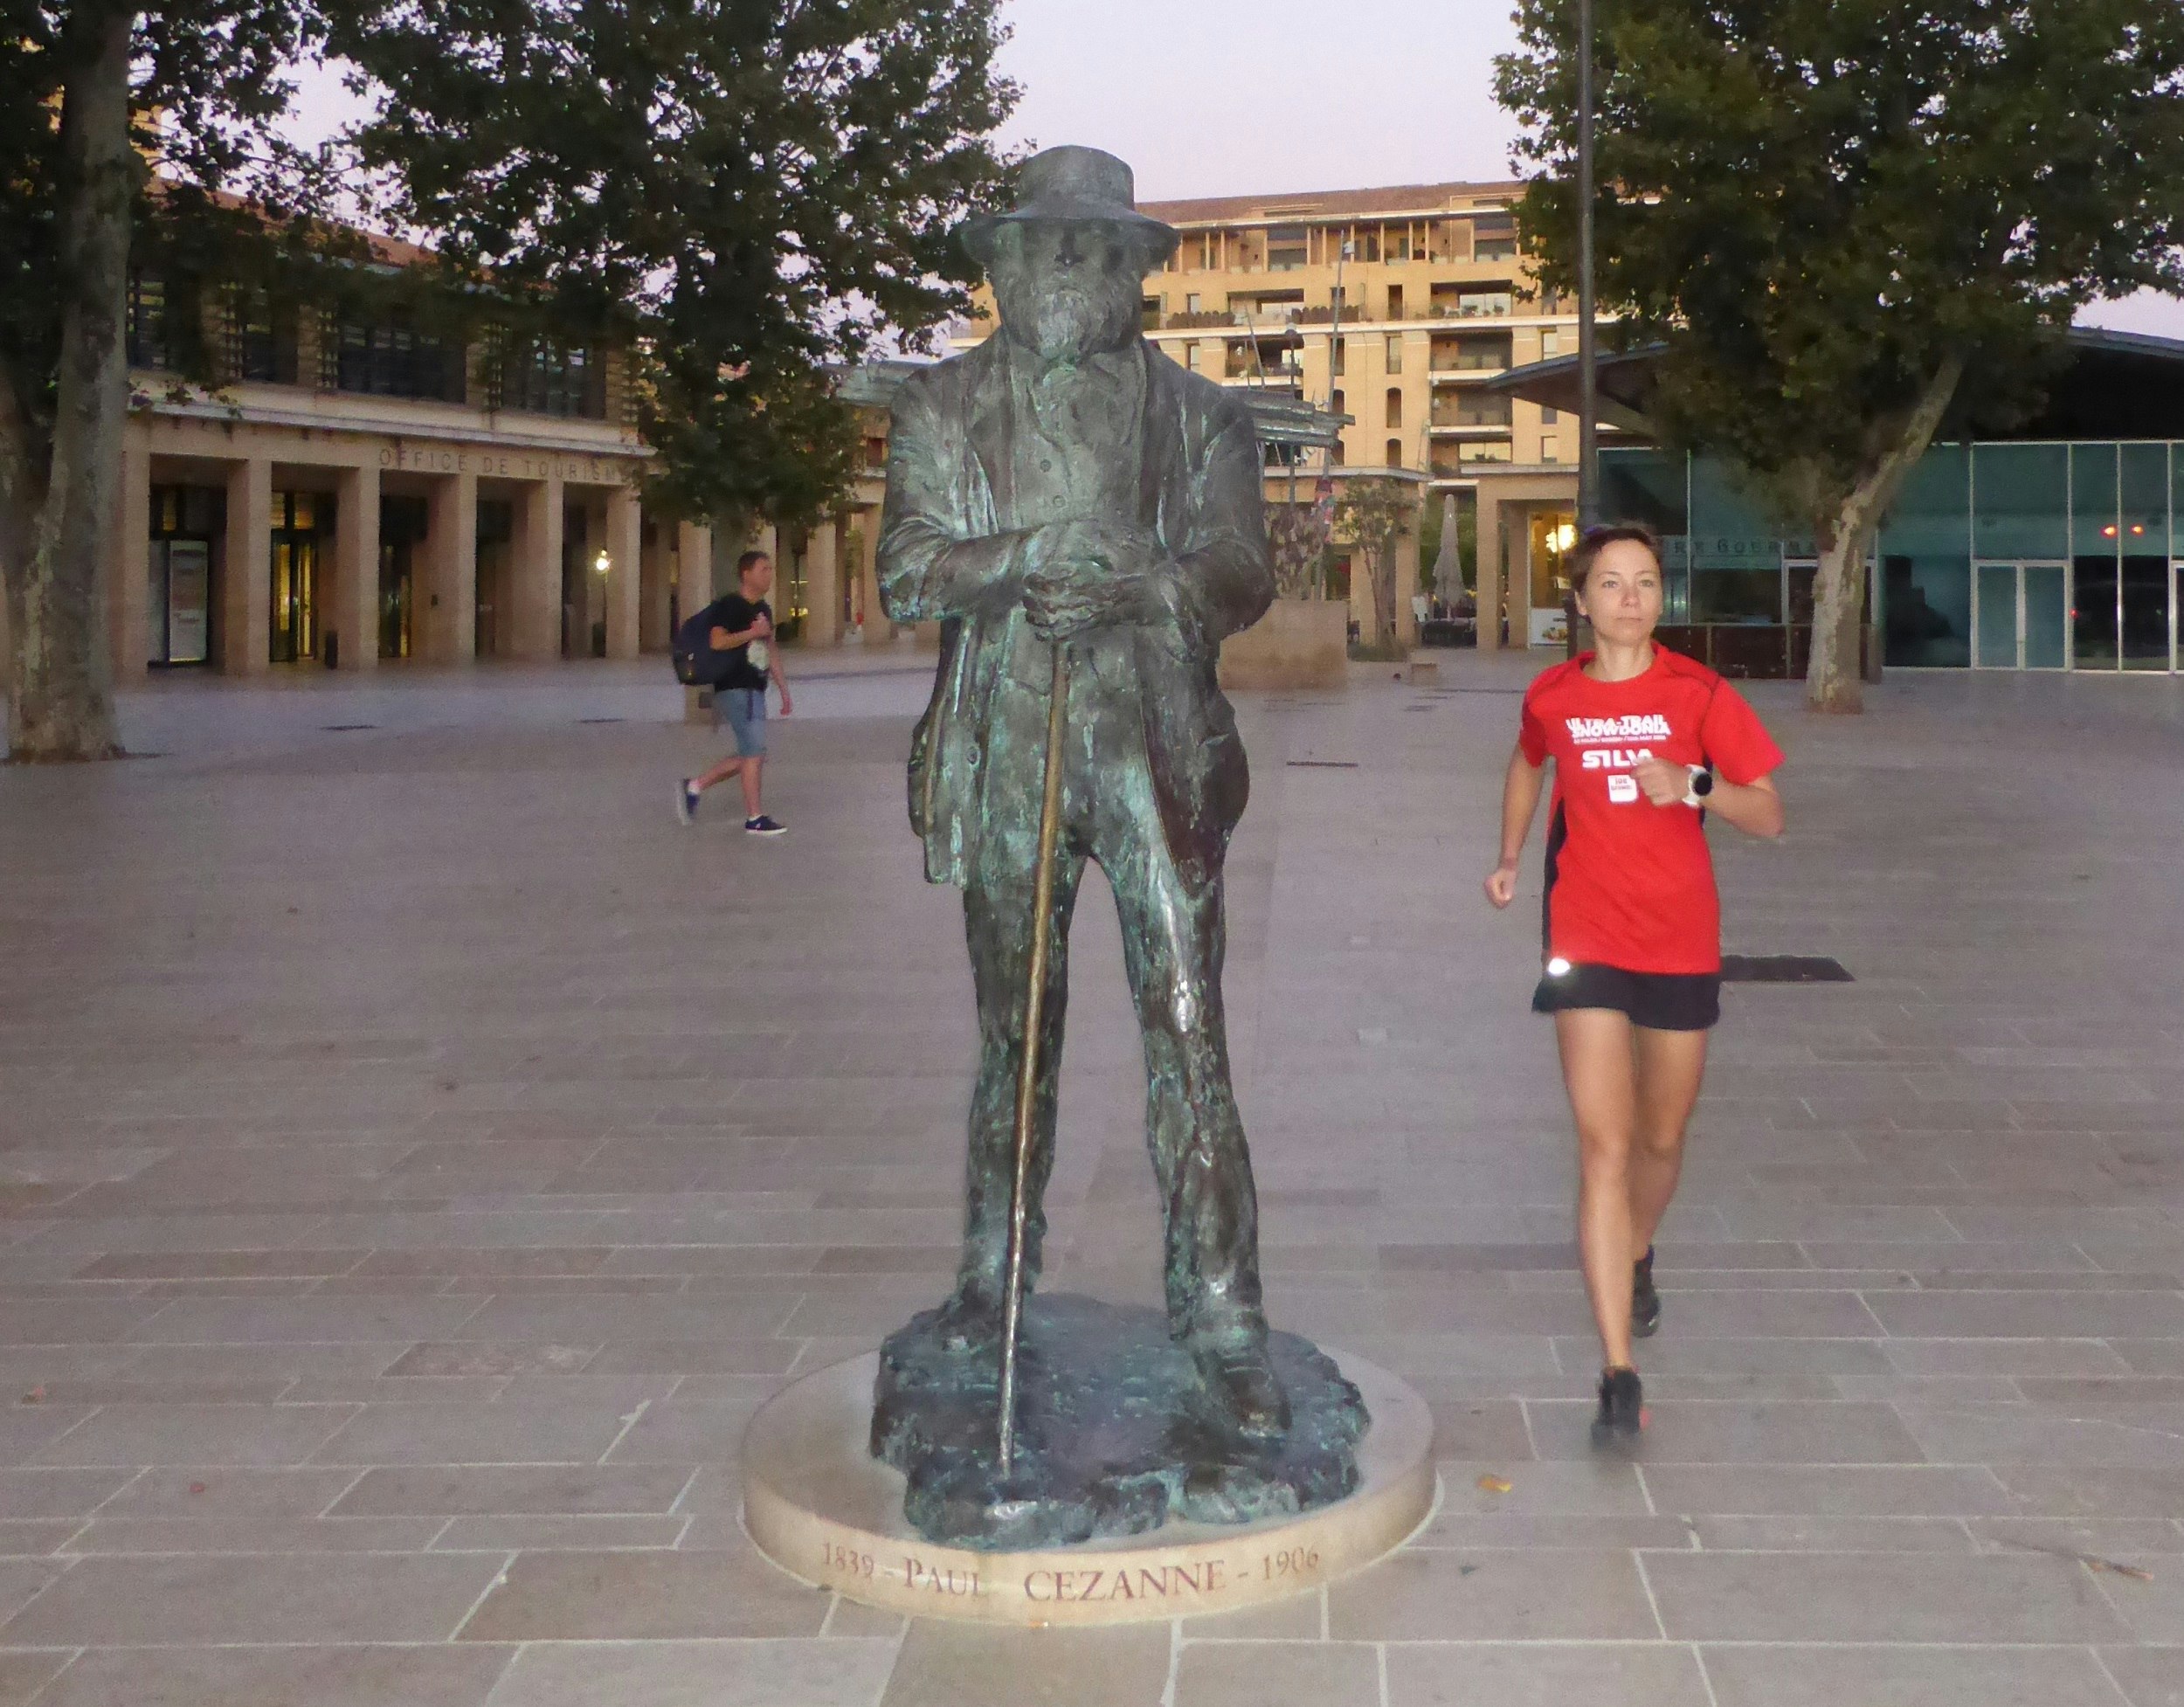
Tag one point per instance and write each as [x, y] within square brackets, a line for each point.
[1250, 97]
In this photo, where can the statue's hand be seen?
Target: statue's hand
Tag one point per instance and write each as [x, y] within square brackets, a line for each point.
[1063, 603]
[1091, 574]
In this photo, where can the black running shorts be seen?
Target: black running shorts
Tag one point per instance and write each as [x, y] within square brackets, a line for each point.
[1659, 1001]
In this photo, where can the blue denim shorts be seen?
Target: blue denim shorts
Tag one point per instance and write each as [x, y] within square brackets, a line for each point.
[744, 713]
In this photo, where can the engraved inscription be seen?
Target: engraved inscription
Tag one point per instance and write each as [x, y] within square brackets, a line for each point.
[841, 1561]
[1194, 1581]
[942, 1579]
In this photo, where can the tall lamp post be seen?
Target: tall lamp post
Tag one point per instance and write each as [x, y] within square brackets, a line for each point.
[1588, 375]
[1588, 378]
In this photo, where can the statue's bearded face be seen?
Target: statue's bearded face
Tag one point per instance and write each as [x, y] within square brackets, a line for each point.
[1067, 289]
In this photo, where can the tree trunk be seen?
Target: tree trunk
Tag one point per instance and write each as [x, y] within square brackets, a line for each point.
[61, 688]
[1833, 681]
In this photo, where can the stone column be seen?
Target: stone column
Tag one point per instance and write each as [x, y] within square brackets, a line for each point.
[353, 612]
[654, 578]
[693, 571]
[451, 576]
[877, 627]
[128, 591]
[534, 572]
[1487, 572]
[624, 548]
[1406, 585]
[245, 570]
[694, 567]
[823, 586]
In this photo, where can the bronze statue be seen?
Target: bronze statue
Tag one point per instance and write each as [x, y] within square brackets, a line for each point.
[1077, 510]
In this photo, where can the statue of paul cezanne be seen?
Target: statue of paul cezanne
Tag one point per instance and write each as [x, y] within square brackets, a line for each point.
[1064, 484]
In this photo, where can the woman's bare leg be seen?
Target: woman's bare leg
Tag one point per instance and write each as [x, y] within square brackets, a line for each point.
[1670, 1065]
[1600, 1069]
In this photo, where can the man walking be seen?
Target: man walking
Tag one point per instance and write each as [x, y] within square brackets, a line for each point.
[740, 626]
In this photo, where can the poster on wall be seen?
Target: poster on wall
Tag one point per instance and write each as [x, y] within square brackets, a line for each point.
[188, 589]
[1549, 628]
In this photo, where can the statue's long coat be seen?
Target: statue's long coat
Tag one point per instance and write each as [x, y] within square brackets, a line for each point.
[950, 549]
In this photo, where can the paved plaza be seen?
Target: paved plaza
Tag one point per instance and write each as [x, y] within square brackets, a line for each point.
[420, 1156]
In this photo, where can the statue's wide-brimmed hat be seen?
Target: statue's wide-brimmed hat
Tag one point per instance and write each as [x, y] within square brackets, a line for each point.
[1071, 184]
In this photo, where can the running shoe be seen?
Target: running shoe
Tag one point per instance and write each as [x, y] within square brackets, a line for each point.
[1622, 1409]
[762, 825]
[686, 801]
[1645, 1301]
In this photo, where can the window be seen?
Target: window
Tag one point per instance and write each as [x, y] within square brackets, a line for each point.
[1395, 355]
[546, 378]
[1191, 357]
[1193, 303]
[1399, 245]
[1335, 404]
[1550, 342]
[875, 452]
[393, 361]
[1550, 449]
[1395, 301]
[1549, 416]
[254, 343]
[1395, 406]
[147, 330]
[1285, 247]
[1395, 453]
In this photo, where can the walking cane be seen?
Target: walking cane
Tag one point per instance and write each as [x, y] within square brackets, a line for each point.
[1027, 1067]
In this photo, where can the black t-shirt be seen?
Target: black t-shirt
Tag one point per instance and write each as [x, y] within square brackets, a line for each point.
[735, 614]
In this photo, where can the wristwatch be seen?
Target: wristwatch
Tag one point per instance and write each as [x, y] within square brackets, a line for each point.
[1702, 784]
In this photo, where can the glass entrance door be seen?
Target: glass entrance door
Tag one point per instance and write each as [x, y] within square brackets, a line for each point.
[2046, 604]
[2019, 616]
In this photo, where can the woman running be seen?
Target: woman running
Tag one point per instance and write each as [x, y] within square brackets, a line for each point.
[1644, 744]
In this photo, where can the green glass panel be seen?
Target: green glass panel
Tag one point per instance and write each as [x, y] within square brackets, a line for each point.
[2020, 500]
[2047, 623]
[2095, 550]
[1926, 611]
[1995, 624]
[1931, 516]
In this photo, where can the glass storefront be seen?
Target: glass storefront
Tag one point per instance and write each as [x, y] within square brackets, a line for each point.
[2020, 556]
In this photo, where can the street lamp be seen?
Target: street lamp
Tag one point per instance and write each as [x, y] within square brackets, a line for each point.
[1588, 378]
[1577, 630]
[601, 564]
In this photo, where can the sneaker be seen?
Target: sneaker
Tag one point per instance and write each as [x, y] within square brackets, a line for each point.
[1645, 1301]
[762, 825]
[686, 801]
[1622, 1408]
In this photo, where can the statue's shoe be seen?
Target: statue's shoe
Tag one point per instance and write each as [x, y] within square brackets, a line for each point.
[970, 1320]
[1238, 1380]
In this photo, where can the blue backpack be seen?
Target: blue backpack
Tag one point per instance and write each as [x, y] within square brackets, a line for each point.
[697, 665]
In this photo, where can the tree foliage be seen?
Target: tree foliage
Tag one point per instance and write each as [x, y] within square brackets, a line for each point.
[746, 191]
[1844, 219]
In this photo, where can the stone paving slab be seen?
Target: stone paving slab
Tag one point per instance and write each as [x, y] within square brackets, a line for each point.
[420, 1156]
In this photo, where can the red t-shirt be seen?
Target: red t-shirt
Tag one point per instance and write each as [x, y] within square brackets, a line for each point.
[1631, 884]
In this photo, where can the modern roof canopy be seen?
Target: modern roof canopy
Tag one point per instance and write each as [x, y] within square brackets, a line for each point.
[2116, 385]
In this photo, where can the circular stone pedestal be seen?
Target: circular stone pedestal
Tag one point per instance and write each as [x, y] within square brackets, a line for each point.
[823, 1509]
